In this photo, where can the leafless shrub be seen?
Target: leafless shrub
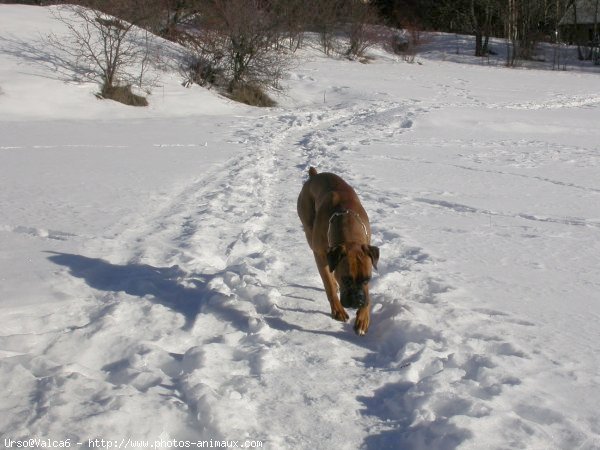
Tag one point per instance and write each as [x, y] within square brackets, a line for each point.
[115, 52]
[199, 69]
[362, 33]
[399, 43]
[326, 21]
[236, 45]
[171, 15]
[293, 18]
[249, 47]
[403, 43]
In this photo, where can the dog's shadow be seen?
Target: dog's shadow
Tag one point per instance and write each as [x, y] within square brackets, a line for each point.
[161, 285]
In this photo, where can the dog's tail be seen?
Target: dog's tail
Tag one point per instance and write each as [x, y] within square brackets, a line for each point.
[312, 172]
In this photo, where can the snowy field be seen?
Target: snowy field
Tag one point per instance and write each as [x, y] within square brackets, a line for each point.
[155, 282]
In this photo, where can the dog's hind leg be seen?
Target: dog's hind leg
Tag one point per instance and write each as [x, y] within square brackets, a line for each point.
[307, 213]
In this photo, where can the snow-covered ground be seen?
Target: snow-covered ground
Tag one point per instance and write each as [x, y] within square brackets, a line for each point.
[155, 282]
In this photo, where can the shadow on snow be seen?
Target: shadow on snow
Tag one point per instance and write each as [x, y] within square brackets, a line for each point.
[161, 284]
[393, 404]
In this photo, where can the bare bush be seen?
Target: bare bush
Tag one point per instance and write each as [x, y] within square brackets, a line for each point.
[404, 43]
[338, 22]
[115, 52]
[361, 17]
[293, 18]
[238, 40]
[173, 15]
[326, 21]
[201, 72]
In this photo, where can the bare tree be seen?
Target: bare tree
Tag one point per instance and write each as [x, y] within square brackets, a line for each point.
[483, 14]
[479, 18]
[521, 19]
[241, 38]
[326, 21]
[115, 52]
[294, 17]
[512, 33]
[596, 10]
[169, 18]
[361, 19]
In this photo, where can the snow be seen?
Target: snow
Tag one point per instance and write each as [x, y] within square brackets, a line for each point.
[155, 283]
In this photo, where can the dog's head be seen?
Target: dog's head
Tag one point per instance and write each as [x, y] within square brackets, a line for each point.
[352, 265]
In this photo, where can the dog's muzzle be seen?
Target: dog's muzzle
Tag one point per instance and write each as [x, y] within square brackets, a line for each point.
[353, 298]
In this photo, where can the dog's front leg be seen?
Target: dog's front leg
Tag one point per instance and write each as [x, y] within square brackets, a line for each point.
[337, 310]
[363, 319]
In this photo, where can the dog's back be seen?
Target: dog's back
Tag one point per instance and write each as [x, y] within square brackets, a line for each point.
[338, 191]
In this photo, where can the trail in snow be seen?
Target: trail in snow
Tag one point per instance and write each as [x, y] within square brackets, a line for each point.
[212, 302]
[158, 285]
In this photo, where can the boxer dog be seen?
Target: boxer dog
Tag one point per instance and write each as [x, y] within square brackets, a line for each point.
[338, 232]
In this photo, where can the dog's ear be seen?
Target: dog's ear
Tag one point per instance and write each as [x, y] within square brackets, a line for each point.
[334, 256]
[373, 253]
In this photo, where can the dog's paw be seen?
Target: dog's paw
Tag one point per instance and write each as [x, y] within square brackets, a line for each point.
[360, 328]
[340, 314]
[361, 324]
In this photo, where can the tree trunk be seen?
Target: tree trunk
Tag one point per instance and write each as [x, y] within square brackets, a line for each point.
[479, 51]
[511, 33]
[577, 38]
[595, 37]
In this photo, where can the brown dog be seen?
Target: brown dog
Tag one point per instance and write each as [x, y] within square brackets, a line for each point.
[338, 232]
